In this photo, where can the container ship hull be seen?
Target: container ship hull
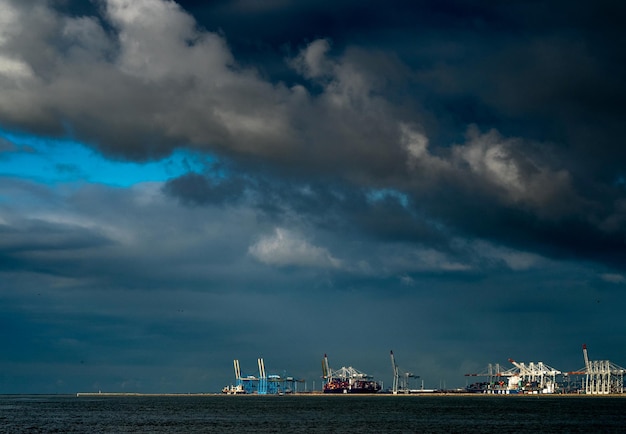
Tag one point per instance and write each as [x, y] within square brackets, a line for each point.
[338, 386]
[347, 380]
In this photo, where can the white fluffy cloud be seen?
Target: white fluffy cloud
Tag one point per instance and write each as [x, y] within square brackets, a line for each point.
[159, 41]
[503, 163]
[312, 61]
[613, 278]
[514, 259]
[284, 248]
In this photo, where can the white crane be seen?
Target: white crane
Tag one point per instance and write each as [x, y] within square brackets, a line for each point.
[602, 376]
[539, 373]
[237, 371]
[397, 385]
[394, 388]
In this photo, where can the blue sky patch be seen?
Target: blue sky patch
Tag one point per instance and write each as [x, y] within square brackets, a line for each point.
[52, 161]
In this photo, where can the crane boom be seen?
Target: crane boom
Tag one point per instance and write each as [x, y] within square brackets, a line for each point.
[237, 369]
[586, 357]
[395, 374]
[517, 365]
[326, 368]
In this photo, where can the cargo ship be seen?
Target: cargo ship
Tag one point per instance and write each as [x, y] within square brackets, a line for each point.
[234, 390]
[347, 380]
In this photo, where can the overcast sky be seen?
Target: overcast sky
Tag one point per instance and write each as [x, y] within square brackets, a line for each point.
[184, 184]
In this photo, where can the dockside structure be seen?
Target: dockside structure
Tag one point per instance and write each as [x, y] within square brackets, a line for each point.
[263, 384]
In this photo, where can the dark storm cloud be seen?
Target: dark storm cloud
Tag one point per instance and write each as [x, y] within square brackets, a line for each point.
[39, 244]
[7, 146]
[379, 215]
[195, 189]
[544, 73]
[376, 98]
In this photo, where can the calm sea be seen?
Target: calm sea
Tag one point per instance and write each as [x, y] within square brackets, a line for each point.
[312, 414]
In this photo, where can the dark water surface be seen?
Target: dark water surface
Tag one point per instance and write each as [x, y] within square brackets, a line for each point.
[312, 414]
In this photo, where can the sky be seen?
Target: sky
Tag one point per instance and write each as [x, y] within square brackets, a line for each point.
[187, 183]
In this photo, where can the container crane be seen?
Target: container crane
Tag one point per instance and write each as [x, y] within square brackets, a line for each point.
[262, 377]
[495, 383]
[397, 385]
[539, 376]
[602, 376]
[238, 388]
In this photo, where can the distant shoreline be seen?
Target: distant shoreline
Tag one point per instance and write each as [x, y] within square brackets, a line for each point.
[137, 394]
[105, 394]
